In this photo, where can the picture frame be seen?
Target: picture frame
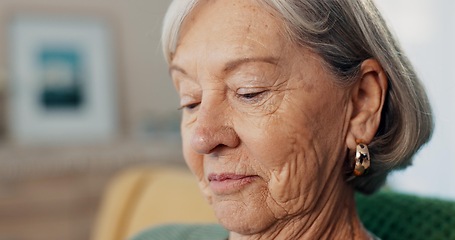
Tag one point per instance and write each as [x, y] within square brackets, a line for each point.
[62, 79]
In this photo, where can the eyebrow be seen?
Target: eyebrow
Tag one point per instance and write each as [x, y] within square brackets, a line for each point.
[236, 63]
[231, 65]
[176, 68]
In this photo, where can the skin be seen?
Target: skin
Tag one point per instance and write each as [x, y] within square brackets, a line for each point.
[254, 104]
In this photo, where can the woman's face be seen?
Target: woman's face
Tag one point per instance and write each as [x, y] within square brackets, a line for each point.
[263, 124]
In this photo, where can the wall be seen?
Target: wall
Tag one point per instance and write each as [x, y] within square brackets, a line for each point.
[425, 29]
[145, 90]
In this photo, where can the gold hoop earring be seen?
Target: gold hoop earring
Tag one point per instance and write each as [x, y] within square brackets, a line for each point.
[362, 159]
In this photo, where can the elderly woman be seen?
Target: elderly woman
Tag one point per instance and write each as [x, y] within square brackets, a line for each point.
[289, 107]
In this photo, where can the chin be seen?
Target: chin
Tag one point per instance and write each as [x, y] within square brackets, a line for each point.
[243, 218]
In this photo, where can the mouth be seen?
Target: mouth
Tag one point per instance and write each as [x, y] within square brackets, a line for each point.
[229, 183]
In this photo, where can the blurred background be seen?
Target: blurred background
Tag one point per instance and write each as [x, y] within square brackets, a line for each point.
[85, 93]
[426, 32]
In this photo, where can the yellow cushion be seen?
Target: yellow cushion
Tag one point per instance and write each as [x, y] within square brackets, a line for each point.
[139, 198]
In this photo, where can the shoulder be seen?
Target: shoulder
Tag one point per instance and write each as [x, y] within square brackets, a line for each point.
[184, 231]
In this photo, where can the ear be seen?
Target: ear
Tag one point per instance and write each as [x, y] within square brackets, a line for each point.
[367, 100]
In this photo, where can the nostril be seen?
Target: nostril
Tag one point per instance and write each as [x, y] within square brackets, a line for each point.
[217, 149]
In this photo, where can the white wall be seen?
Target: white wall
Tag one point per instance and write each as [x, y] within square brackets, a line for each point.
[426, 30]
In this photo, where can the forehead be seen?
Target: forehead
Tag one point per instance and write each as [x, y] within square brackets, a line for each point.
[230, 29]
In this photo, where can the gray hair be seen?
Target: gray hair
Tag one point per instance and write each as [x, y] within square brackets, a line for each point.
[345, 33]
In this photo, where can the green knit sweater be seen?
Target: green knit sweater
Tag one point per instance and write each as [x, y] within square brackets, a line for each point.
[184, 232]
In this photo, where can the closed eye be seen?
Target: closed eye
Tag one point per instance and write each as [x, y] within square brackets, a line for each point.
[251, 95]
[190, 106]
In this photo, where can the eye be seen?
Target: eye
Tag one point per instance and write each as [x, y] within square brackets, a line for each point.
[189, 106]
[189, 101]
[251, 95]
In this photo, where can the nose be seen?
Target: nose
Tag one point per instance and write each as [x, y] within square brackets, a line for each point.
[213, 131]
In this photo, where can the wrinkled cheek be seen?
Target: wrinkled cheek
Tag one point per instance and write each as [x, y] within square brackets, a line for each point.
[294, 186]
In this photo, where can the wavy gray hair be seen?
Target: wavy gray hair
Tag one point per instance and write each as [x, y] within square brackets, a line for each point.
[345, 33]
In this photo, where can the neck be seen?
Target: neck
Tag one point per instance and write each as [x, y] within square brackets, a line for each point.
[334, 217]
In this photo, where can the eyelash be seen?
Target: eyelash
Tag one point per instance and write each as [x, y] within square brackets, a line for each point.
[190, 106]
[253, 96]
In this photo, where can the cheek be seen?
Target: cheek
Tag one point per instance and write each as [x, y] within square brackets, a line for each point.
[294, 184]
[190, 156]
[288, 157]
[192, 159]
[295, 155]
[195, 162]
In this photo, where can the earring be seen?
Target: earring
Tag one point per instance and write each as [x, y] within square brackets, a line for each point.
[362, 159]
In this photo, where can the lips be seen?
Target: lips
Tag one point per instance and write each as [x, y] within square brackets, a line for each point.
[225, 176]
[229, 183]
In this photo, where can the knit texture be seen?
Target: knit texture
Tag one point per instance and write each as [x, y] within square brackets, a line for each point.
[184, 232]
[394, 216]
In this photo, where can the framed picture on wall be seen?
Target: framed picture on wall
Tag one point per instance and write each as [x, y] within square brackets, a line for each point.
[62, 79]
